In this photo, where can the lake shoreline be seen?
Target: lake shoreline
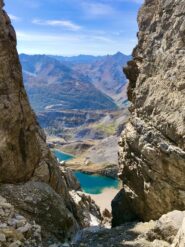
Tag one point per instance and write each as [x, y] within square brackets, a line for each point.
[58, 150]
[96, 173]
[109, 171]
[61, 156]
[97, 186]
[103, 200]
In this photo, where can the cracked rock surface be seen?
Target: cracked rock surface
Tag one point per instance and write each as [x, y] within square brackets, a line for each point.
[152, 147]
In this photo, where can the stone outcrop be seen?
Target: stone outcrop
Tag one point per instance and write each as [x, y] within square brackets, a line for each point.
[15, 229]
[40, 203]
[71, 180]
[179, 240]
[23, 152]
[168, 231]
[30, 176]
[152, 149]
[167, 227]
[85, 209]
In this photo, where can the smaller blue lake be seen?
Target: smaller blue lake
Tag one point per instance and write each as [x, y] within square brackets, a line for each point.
[91, 184]
[62, 156]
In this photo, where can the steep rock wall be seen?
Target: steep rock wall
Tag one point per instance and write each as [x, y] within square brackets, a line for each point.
[30, 177]
[23, 150]
[152, 147]
[24, 154]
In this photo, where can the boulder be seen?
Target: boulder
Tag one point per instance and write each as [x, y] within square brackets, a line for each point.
[85, 209]
[179, 240]
[38, 202]
[16, 230]
[167, 227]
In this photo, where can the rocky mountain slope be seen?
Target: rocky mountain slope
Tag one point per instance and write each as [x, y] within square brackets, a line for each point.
[152, 151]
[73, 125]
[70, 96]
[104, 71]
[30, 177]
[54, 85]
[83, 82]
[107, 75]
[91, 136]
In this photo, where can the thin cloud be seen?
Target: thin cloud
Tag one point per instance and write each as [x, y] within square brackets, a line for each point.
[37, 37]
[98, 9]
[75, 26]
[119, 1]
[14, 18]
[138, 1]
[101, 38]
[58, 23]
[72, 44]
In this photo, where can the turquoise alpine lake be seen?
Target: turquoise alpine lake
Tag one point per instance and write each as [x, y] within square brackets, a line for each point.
[91, 184]
[62, 156]
[95, 184]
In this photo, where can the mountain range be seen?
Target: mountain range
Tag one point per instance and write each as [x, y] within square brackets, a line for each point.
[82, 82]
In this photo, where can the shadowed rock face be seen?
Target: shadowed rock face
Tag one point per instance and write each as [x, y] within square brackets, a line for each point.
[152, 147]
[22, 143]
[24, 154]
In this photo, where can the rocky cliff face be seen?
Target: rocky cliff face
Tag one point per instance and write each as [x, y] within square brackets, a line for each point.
[24, 154]
[152, 153]
[30, 178]
[23, 151]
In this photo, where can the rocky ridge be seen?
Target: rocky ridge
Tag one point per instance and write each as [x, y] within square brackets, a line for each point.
[152, 151]
[53, 85]
[82, 82]
[30, 178]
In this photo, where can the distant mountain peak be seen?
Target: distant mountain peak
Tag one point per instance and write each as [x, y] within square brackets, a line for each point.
[119, 53]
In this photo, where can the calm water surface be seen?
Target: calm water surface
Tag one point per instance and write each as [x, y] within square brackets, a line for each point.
[62, 156]
[95, 184]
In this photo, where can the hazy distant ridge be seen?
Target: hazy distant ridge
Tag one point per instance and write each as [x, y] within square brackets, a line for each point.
[80, 82]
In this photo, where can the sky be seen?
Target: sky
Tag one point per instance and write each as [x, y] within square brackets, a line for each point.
[73, 27]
